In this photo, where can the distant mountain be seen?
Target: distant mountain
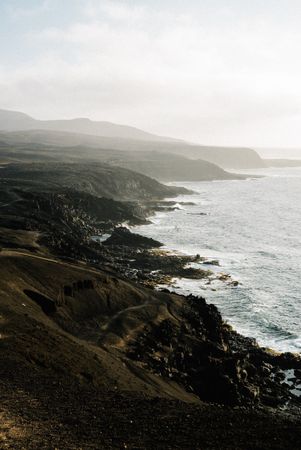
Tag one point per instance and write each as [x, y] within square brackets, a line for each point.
[14, 121]
[17, 121]
[171, 167]
[106, 135]
[158, 165]
[227, 157]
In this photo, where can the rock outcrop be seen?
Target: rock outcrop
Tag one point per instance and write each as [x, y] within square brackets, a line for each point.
[123, 236]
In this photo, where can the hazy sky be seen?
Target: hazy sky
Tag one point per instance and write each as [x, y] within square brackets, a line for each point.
[211, 71]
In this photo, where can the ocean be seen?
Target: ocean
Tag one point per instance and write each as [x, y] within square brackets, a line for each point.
[253, 228]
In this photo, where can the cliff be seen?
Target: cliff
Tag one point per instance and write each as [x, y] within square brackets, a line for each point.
[101, 180]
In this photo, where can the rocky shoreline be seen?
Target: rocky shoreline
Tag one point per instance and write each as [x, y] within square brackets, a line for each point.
[235, 371]
[91, 351]
[249, 375]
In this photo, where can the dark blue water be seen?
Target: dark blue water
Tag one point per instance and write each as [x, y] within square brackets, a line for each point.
[254, 228]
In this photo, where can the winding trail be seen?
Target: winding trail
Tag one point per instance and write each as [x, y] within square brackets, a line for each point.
[9, 253]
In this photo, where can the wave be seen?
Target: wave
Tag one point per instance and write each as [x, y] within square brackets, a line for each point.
[253, 230]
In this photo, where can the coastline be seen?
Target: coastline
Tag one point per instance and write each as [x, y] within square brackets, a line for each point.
[107, 358]
[240, 263]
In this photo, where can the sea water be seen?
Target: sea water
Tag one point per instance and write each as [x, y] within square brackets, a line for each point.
[253, 227]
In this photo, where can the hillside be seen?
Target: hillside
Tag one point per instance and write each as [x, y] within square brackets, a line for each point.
[96, 179]
[91, 355]
[86, 133]
[157, 165]
[71, 376]
[227, 157]
[172, 167]
[16, 121]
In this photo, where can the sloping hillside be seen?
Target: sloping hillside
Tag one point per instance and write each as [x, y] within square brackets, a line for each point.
[89, 360]
[155, 164]
[98, 179]
[172, 167]
[227, 157]
[106, 135]
[17, 121]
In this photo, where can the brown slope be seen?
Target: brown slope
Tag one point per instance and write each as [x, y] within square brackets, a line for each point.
[63, 387]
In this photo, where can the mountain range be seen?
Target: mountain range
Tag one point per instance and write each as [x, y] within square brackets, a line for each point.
[18, 121]
[17, 127]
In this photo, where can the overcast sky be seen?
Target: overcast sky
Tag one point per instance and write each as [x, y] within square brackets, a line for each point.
[210, 71]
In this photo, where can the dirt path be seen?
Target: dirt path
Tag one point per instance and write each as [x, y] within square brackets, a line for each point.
[13, 253]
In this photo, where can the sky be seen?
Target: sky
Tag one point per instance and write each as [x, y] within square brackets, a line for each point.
[219, 72]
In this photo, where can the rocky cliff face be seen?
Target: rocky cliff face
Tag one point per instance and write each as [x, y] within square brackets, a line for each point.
[69, 203]
[203, 354]
[96, 179]
[228, 157]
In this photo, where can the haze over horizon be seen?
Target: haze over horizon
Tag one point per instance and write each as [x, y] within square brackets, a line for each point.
[219, 73]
